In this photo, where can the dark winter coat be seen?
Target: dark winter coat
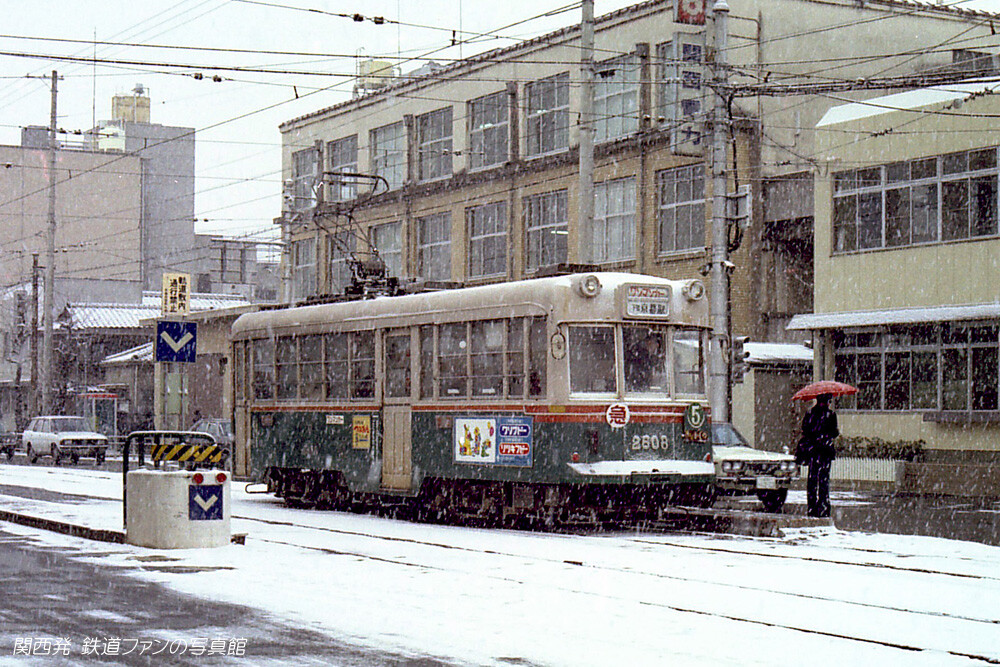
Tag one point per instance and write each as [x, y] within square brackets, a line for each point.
[819, 430]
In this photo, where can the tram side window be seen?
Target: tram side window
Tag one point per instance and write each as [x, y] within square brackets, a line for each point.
[336, 365]
[311, 367]
[452, 347]
[488, 357]
[397, 365]
[689, 362]
[240, 371]
[537, 356]
[645, 359]
[363, 364]
[515, 359]
[592, 359]
[427, 361]
[263, 368]
[285, 363]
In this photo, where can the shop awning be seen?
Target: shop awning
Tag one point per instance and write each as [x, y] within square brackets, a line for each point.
[868, 318]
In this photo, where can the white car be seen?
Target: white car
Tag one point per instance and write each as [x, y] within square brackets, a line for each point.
[742, 470]
[63, 437]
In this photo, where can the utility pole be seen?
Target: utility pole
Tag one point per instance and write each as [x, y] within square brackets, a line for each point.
[50, 263]
[34, 334]
[720, 387]
[585, 224]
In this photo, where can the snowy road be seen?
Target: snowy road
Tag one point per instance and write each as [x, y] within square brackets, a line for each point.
[495, 597]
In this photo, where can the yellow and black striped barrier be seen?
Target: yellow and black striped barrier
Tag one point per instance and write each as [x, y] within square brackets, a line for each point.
[184, 452]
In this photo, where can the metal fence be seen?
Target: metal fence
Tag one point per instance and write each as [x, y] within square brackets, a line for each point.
[865, 470]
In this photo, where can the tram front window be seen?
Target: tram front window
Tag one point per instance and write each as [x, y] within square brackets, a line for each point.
[689, 363]
[645, 359]
[592, 360]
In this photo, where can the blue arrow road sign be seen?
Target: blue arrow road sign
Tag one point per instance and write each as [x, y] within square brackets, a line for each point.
[205, 502]
[176, 341]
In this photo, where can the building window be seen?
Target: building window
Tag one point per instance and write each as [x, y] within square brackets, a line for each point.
[681, 208]
[303, 179]
[388, 153]
[303, 268]
[951, 366]
[488, 131]
[616, 98]
[434, 139]
[546, 224]
[434, 247]
[548, 114]
[614, 220]
[928, 200]
[343, 157]
[487, 225]
[341, 245]
[387, 239]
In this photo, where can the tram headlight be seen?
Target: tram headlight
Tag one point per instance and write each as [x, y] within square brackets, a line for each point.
[589, 286]
[693, 290]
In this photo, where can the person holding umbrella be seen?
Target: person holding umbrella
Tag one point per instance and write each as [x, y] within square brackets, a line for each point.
[815, 449]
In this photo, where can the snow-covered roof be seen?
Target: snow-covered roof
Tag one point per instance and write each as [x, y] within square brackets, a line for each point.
[862, 318]
[763, 353]
[911, 99]
[130, 315]
[142, 352]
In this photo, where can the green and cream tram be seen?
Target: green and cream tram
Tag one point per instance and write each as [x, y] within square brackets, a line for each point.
[569, 398]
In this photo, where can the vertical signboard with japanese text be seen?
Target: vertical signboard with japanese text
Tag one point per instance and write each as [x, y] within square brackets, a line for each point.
[176, 294]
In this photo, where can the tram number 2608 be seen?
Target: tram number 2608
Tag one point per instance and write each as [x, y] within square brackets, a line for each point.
[640, 442]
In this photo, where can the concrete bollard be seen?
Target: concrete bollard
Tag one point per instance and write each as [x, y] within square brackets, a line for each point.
[180, 509]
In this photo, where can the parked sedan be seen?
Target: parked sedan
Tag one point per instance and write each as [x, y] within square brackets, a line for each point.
[742, 470]
[61, 437]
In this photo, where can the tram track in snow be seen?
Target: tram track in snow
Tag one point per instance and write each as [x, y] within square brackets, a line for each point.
[679, 608]
[632, 572]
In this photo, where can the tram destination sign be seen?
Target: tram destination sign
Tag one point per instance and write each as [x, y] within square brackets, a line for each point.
[646, 301]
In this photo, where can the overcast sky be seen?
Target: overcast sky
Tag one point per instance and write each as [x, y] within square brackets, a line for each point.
[238, 156]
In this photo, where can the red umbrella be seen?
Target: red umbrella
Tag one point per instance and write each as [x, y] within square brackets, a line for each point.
[831, 387]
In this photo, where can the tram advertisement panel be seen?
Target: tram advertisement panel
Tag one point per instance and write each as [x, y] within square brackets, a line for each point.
[505, 441]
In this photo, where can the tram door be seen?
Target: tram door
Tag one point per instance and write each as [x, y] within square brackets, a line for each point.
[396, 436]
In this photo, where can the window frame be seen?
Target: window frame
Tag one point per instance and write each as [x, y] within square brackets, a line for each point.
[489, 133]
[546, 214]
[547, 115]
[388, 148]
[434, 144]
[481, 264]
[342, 155]
[617, 223]
[434, 250]
[668, 212]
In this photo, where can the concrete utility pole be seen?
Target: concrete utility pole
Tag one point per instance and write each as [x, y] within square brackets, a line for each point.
[719, 377]
[50, 263]
[585, 224]
[34, 334]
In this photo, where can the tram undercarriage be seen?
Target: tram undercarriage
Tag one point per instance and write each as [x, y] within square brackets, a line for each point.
[489, 503]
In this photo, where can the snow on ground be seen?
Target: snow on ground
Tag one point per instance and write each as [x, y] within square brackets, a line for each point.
[484, 597]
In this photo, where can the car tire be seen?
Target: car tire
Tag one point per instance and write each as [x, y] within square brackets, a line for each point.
[774, 500]
[31, 454]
